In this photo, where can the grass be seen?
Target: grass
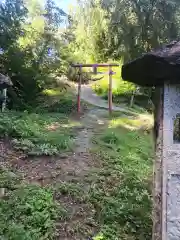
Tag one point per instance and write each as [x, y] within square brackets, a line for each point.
[120, 88]
[31, 212]
[57, 100]
[141, 122]
[122, 193]
[74, 190]
[116, 204]
[38, 134]
[47, 130]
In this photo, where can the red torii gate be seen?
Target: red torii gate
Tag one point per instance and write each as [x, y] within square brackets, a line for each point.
[95, 66]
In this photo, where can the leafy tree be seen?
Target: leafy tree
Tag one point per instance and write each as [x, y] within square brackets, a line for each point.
[87, 32]
[115, 29]
[137, 26]
[31, 47]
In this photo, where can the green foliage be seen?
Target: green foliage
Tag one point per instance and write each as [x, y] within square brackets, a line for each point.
[36, 134]
[12, 13]
[111, 138]
[121, 90]
[30, 47]
[73, 75]
[121, 194]
[88, 30]
[102, 30]
[29, 213]
[75, 190]
[34, 45]
[9, 179]
[59, 99]
[65, 105]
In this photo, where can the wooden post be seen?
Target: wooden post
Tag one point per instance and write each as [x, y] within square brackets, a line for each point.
[110, 90]
[79, 90]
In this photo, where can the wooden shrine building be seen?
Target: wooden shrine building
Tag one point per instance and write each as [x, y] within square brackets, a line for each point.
[160, 68]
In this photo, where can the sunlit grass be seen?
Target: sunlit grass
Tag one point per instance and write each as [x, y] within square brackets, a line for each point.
[141, 121]
[99, 237]
[38, 133]
[118, 85]
[52, 92]
[122, 192]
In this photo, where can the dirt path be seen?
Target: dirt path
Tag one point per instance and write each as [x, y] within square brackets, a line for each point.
[89, 96]
[81, 164]
[90, 122]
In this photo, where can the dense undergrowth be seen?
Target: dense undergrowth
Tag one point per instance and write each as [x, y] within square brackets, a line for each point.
[28, 212]
[37, 134]
[122, 192]
[44, 130]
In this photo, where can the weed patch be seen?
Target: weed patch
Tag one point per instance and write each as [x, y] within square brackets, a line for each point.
[29, 213]
[37, 134]
[121, 194]
[59, 102]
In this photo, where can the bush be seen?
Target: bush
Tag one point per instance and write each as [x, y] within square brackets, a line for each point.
[9, 179]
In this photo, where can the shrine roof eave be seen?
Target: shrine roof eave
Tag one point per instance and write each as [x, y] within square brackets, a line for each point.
[155, 68]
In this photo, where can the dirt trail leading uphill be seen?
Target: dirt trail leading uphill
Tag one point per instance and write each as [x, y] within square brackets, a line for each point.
[89, 96]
